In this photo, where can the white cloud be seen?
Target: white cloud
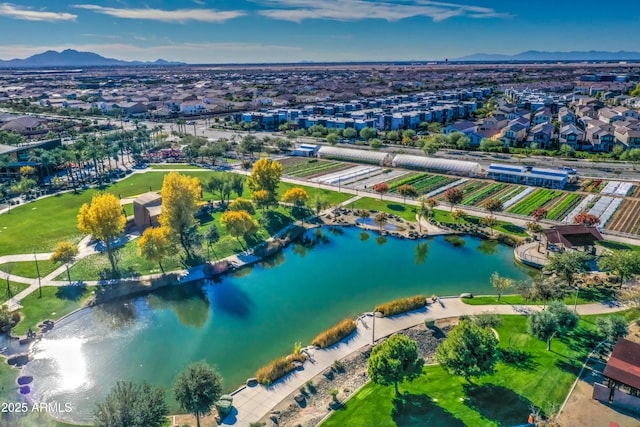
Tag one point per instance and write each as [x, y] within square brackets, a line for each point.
[354, 10]
[26, 14]
[178, 15]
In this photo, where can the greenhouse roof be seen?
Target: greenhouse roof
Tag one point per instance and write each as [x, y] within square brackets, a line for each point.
[436, 163]
[350, 153]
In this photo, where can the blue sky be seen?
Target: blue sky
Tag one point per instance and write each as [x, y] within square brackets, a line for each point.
[224, 31]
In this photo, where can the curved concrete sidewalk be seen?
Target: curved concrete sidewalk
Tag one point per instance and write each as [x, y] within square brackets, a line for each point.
[253, 403]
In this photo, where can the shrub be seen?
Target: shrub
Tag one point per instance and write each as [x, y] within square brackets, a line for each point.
[278, 368]
[487, 320]
[401, 305]
[335, 334]
[338, 366]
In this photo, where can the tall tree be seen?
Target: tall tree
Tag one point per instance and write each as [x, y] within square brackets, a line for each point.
[241, 204]
[500, 284]
[180, 197]
[395, 360]
[132, 405]
[555, 320]
[493, 205]
[266, 176]
[65, 253]
[104, 220]
[239, 223]
[381, 219]
[407, 190]
[586, 219]
[539, 214]
[613, 327]
[381, 188]
[197, 389]
[568, 263]
[624, 263]
[469, 351]
[211, 237]
[295, 196]
[319, 203]
[453, 196]
[154, 245]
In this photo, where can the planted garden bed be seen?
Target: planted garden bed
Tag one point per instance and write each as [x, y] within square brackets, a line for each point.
[564, 206]
[537, 199]
[481, 195]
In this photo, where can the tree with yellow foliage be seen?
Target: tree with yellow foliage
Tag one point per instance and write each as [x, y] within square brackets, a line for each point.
[154, 245]
[262, 199]
[296, 196]
[239, 223]
[65, 253]
[180, 197]
[266, 176]
[104, 220]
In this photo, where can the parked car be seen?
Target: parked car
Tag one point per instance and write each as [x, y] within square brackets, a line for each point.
[571, 171]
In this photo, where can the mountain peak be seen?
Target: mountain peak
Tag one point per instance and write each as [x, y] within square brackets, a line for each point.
[74, 58]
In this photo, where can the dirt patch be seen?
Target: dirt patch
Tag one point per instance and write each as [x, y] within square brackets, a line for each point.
[347, 378]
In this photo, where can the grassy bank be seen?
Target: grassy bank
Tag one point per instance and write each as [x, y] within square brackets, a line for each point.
[28, 268]
[55, 303]
[585, 296]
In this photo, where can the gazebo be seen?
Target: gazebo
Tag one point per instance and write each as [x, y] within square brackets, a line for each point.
[572, 237]
[623, 377]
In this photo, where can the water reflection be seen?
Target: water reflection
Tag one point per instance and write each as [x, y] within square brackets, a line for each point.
[364, 236]
[229, 298]
[116, 315]
[489, 247]
[381, 240]
[188, 302]
[455, 241]
[273, 260]
[422, 251]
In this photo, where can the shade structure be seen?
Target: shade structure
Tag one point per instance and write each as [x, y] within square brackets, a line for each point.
[458, 167]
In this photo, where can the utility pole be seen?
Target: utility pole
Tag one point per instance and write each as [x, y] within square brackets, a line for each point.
[38, 271]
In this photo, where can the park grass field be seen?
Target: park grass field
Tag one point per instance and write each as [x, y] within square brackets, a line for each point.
[28, 268]
[541, 378]
[40, 225]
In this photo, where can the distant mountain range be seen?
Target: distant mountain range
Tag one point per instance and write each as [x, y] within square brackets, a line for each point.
[535, 55]
[74, 58]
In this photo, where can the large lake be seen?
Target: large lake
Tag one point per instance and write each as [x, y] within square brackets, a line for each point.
[246, 319]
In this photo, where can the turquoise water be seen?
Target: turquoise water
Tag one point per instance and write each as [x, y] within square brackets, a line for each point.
[245, 320]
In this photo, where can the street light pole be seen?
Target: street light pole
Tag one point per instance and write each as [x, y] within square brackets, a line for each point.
[38, 271]
[373, 329]
[575, 304]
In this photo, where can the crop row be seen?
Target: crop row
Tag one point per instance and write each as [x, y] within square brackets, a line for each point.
[302, 171]
[406, 180]
[534, 201]
[483, 194]
[432, 183]
[565, 206]
[508, 195]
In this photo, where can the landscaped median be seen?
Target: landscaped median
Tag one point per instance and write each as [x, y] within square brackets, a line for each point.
[401, 305]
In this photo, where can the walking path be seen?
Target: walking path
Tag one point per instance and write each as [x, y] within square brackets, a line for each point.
[252, 403]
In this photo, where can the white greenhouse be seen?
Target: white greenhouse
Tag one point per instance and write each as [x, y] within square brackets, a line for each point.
[457, 167]
[365, 156]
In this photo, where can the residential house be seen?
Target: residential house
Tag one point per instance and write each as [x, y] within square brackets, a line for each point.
[609, 115]
[630, 138]
[542, 117]
[192, 107]
[541, 135]
[572, 135]
[514, 134]
[566, 116]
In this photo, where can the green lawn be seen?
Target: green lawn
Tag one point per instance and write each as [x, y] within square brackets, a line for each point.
[542, 378]
[28, 268]
[501, 226]
[407, 212]
[617, 245]
[40, 225]
[175, 166]
[13, 289]
[55, 303]
[585, 296]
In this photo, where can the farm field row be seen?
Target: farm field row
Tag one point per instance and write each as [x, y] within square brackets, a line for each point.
[537, 199]
[627, 218]
[478, 196]
[310, 167]
[563, 206]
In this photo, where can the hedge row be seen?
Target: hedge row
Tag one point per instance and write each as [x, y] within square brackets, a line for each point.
[277, 369]
[401, 305]
[335, 334]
